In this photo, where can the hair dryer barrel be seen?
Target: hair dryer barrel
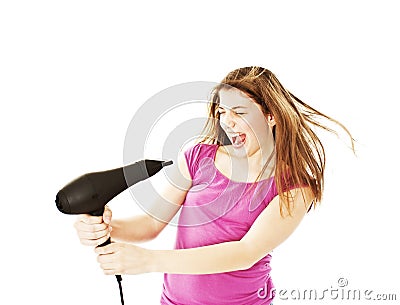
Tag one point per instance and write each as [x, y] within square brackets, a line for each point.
[88, 194]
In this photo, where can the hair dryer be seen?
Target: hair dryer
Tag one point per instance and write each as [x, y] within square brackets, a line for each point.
[88, 194]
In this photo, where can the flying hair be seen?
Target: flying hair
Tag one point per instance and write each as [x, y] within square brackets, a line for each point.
[299, 153]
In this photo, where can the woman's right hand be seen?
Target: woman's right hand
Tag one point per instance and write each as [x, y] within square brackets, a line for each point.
[94, 230]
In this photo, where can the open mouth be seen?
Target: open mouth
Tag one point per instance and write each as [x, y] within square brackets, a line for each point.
[238, 140]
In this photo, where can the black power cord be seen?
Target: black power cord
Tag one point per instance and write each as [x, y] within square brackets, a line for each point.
[119, 280]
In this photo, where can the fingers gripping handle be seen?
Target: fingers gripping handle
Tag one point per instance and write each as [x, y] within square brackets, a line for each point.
[107, 242]
[100, 213]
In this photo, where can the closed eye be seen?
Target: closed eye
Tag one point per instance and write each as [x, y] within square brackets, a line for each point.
[220, 111]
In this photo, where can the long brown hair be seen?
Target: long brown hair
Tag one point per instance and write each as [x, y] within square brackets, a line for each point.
[298, 150]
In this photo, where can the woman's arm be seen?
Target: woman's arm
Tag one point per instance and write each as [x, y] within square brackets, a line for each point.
[136, 229]
[141, 228]
[268, 231]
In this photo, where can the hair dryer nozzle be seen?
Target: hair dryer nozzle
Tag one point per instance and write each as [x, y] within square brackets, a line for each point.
[166, 163]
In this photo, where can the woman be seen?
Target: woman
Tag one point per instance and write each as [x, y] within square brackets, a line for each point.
[244, 189]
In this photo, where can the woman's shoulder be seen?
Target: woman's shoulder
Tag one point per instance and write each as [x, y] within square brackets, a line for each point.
[196, 153]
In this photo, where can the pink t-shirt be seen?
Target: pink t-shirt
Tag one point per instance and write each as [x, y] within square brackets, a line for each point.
[216, 210]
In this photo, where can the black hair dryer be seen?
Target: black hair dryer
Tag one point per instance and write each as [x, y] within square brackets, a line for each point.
[89, 193]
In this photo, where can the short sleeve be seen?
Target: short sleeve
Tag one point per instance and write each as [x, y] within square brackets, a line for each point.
[192, 159]
[196, 153]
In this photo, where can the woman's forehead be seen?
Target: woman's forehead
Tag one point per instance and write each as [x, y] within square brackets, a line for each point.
[234, 98]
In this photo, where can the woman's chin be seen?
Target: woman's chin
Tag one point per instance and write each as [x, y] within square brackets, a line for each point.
[238, 146]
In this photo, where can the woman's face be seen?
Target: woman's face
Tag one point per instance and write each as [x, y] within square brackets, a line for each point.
[244, 123]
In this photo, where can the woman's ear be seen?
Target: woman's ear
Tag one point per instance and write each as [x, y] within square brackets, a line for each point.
[271, 120]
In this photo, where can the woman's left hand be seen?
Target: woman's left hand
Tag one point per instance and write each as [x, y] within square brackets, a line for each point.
[121, 258]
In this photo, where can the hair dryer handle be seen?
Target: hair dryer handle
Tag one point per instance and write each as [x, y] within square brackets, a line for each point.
[99, 212]
[107, 242]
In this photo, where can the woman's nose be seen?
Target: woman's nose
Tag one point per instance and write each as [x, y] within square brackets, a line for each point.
[228, 120]
[231, 123]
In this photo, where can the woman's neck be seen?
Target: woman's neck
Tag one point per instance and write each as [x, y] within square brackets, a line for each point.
[246, 168]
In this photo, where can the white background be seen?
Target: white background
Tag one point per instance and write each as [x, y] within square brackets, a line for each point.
[72, 74]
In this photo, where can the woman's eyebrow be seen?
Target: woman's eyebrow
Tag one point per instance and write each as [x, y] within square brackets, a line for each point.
[235, 107]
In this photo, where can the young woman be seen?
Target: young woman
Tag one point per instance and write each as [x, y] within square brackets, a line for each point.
[244, 189]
